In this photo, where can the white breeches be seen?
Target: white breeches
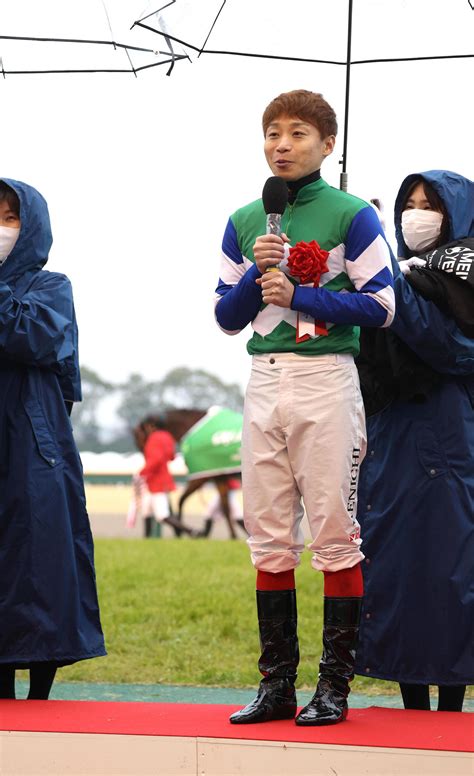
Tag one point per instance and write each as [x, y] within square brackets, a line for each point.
[155, 504]
[303, 441]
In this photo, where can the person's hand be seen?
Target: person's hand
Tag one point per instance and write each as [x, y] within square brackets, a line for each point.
[269, 250]
[406, 264]
[276, 289]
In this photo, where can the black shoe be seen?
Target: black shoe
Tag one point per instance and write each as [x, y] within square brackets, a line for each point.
[328, 705]
[276, 699]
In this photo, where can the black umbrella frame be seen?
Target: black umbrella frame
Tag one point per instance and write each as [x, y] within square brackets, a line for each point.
[347, 63]
[171, 57]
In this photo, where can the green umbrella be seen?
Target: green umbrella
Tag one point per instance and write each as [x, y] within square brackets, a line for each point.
[212, 445]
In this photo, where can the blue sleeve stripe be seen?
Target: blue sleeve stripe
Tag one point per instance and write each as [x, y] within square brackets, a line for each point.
[240, 303]
[352, 309]
[362, 232]
[230, 245]
[381, 280]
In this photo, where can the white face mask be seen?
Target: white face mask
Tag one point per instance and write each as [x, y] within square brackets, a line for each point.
[421, 228]
[8, 237]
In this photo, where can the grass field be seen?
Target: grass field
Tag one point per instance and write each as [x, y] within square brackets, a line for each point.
[183, 612]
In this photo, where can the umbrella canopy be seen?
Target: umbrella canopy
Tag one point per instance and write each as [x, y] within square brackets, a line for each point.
[82, 36]
[316, 31]
[212, 446]
[113, 36]
[343, 33]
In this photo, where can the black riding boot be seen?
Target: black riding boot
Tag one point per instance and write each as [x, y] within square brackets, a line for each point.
[336, 669]
[276, 697]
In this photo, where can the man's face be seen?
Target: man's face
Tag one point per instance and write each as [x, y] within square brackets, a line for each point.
[293, 148]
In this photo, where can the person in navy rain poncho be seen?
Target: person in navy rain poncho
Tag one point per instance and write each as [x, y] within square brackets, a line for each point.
[416, 492]
[49, 612]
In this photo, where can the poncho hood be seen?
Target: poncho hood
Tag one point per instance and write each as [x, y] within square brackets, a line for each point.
[32, 248]
[457, 194]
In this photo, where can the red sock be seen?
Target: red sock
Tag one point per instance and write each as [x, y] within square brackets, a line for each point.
[282, 580]
[346, 583]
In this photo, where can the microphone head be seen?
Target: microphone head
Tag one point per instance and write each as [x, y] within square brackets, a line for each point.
[275, 195]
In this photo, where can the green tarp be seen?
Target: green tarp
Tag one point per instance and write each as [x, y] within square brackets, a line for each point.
[212, 446]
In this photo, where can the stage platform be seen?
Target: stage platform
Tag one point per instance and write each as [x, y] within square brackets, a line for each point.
[82, 738]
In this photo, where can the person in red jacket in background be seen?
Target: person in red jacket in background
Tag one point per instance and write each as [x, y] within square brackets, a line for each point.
[158, 448]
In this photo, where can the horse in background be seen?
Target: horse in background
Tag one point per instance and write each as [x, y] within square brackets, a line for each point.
[178, 422]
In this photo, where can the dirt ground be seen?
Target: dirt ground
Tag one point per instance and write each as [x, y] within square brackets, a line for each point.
[108, 507]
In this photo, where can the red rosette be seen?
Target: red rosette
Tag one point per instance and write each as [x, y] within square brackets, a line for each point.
[307, 261]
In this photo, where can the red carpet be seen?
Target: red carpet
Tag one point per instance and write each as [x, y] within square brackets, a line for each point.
[364, 727]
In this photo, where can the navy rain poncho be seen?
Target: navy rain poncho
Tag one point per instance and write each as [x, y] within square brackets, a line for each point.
[416, 491]
[48, 600]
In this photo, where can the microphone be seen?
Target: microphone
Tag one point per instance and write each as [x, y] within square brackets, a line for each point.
[275, 200]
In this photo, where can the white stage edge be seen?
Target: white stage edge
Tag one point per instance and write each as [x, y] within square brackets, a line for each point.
[85, 754]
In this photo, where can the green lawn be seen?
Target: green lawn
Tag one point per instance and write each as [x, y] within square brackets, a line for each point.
[183, 612]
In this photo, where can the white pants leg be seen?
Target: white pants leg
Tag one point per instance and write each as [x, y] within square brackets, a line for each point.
[160, 507]
[303, 440]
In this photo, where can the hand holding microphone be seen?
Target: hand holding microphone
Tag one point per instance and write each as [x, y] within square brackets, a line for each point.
[269, 249]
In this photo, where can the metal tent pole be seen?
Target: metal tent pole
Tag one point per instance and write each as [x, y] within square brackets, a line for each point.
[343, 180]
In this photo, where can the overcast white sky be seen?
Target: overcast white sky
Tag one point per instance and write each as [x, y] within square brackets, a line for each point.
[142, 173]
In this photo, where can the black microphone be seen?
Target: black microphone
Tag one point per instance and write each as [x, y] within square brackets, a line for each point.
[275, 200]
